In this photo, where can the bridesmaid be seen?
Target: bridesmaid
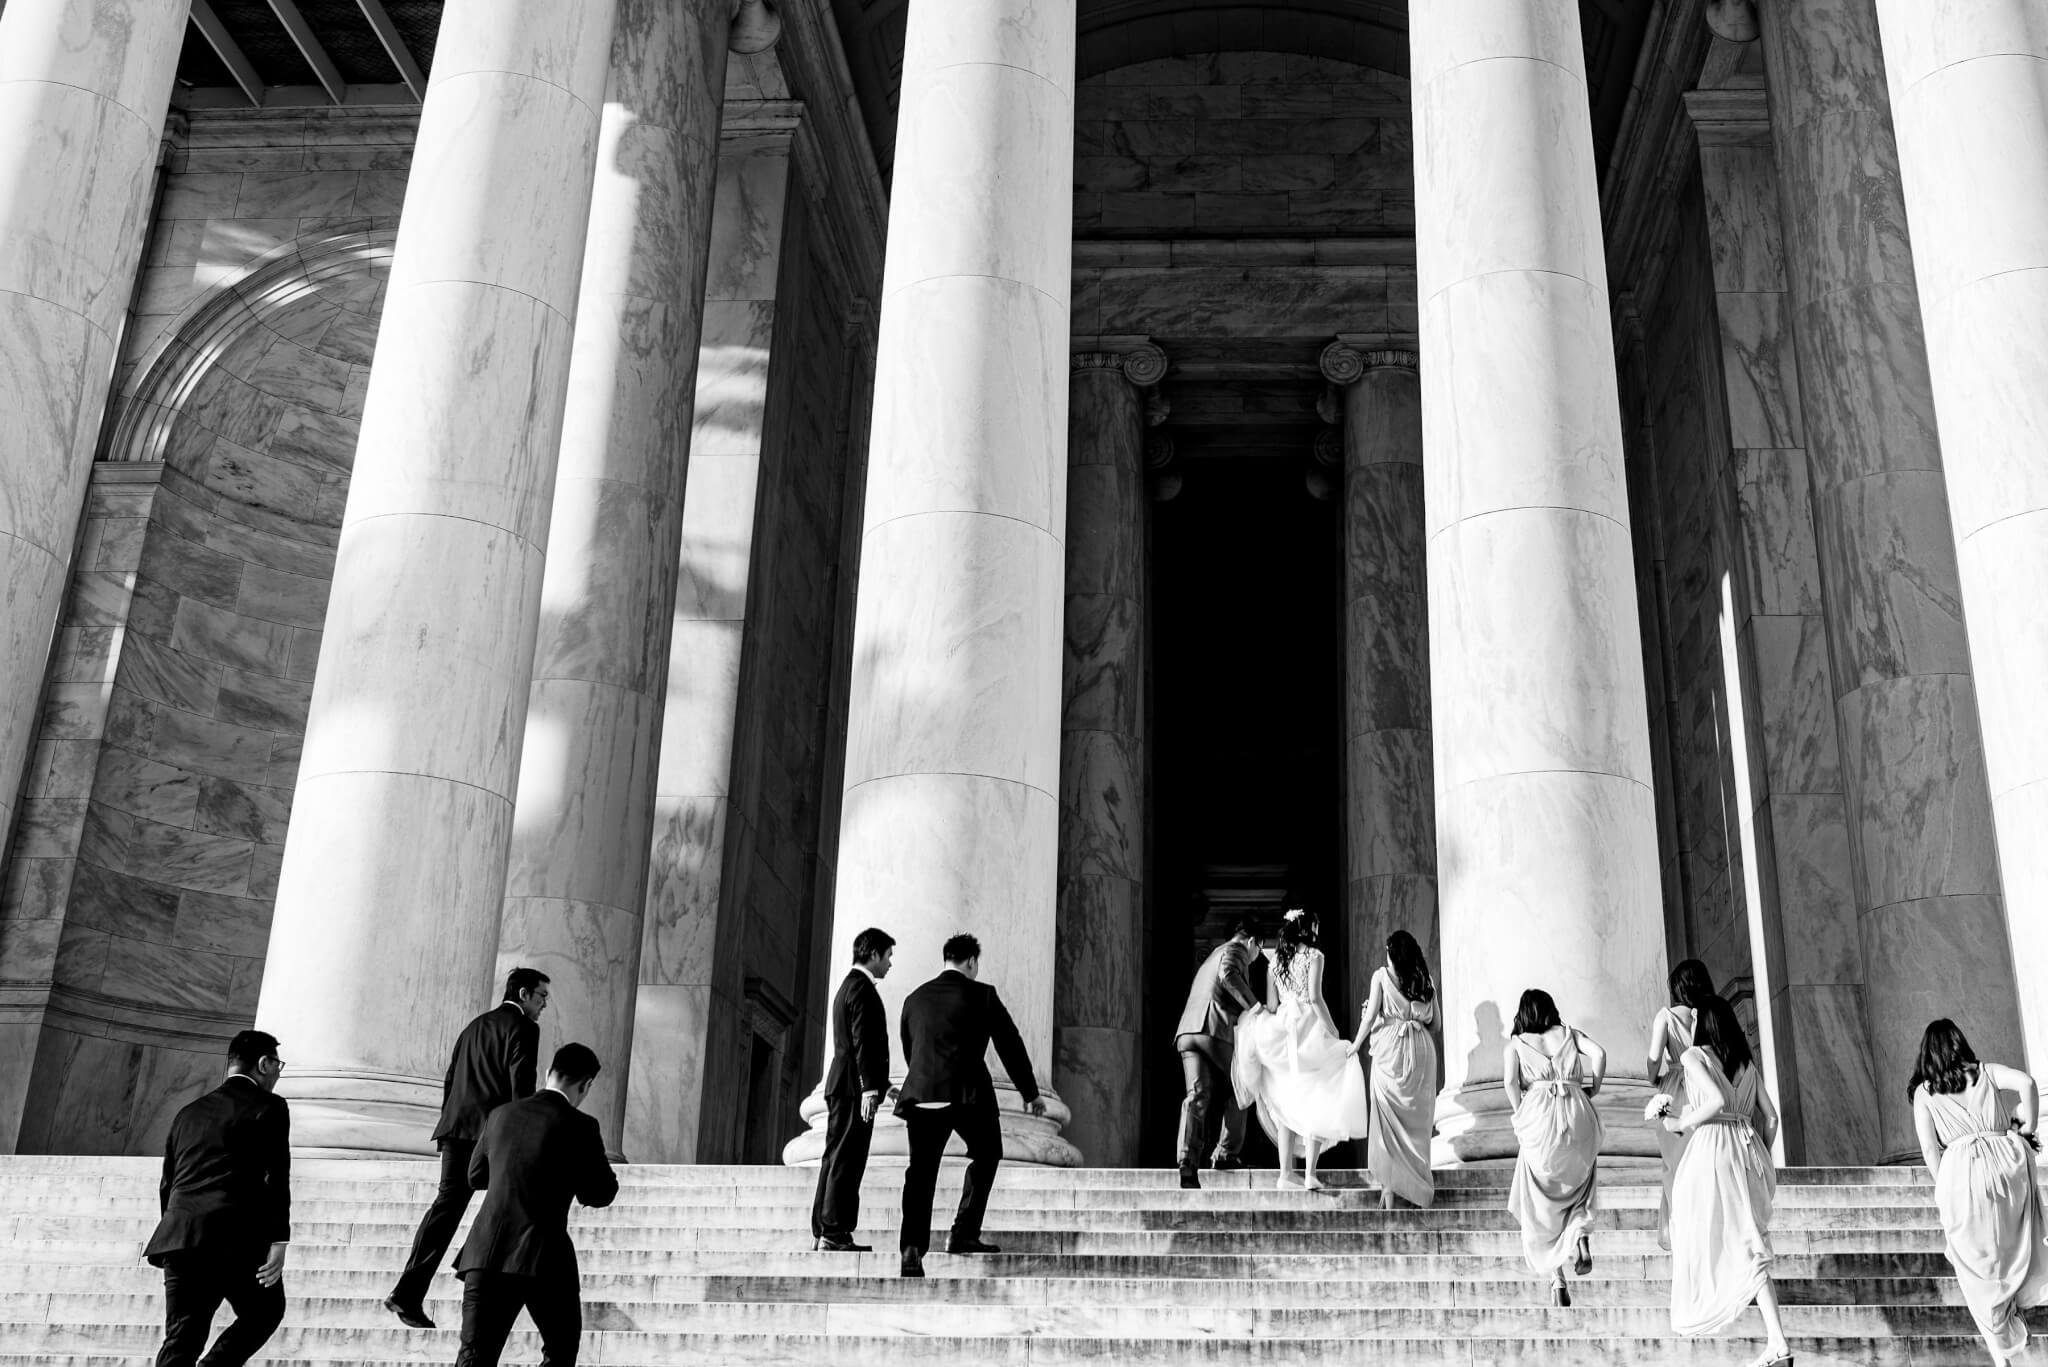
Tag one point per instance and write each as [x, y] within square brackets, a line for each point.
[1721, 1195]
[1551, 1073]
[1983, 1182]
[1670, 1036]
[1402, 1080]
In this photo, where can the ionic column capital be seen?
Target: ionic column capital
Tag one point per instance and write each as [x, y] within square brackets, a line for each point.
[1345, 364]
[1143, 363]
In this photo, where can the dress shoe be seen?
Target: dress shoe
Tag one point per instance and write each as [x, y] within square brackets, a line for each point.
[1189, 1180]
[913, 1262]
[411, 1316]
[1231, 1164]
[828, 1244]
[956, 1244]
[1560, 1294]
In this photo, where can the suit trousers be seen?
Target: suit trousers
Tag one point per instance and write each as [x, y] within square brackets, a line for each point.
[1208, 1088]
[835, 1211]
[980, 1127]
[196, 1281]
[437, 1226]
[491, 1301]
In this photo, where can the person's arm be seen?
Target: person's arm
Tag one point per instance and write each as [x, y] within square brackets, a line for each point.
[1655, 1067]
[1765, 1117]
[598, 1185]
[1272, 1001]
[868, 1036]
[277, 1191]
[163, 1186]
[1233, 973]
[2023, 1085]
[1010, 1049]
[1923, 1127]
[1368, 1016]
[1705, 1096]
[1511, 1077]
[1596, 1062]
[525, 1057]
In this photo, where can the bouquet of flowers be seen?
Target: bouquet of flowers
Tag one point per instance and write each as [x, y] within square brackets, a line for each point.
[1659, 1107]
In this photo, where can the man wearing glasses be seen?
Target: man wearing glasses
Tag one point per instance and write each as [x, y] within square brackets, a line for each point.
[226, 1198]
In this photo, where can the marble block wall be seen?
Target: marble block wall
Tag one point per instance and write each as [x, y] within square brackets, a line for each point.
[174, 720]
[1238, 144]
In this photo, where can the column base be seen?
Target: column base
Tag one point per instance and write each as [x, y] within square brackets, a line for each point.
[1028, 1139]
[1474, 1126]
[338, 1114]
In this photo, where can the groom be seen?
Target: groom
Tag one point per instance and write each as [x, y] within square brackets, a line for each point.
[1222, 992]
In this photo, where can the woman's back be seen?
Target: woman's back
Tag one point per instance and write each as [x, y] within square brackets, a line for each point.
[1976, 1109]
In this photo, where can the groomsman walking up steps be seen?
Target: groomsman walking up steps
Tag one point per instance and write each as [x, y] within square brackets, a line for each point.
[1206, 1039]
[494, 1061]
[854, 1085]
[227, 1209]
[535, 1157]
[948, 1025]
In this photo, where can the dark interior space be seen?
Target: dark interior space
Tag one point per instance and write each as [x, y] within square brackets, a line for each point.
[1246, 707]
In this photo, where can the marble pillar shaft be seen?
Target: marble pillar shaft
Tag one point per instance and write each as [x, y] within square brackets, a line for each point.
[1932, 916]
[1969, 87]
[685, 931]
[584, 818]
[951, 813]
[1546, 821]
[390, 898]
[1097, 1007]
[1389, 798]
[84, 88]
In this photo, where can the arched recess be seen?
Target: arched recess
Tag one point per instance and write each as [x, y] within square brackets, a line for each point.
[1369, 33]
[189, 643]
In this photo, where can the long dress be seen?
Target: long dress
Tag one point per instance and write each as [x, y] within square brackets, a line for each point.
[1990, 1211]
[1402, 1088]
[1291, 1063]
[1672, 1023]
[1553, 1192]
[1720, 1204]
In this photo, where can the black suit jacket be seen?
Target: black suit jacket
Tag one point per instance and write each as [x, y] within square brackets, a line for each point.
[948, 1025]
[860, 1031]
[535, 1156]
[227, 1175]
[493, 1063]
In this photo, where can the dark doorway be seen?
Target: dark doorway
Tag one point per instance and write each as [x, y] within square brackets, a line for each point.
[1246, 735]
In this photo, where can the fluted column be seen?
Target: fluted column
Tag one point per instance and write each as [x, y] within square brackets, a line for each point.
[84, 89]
[388, 905]
[1546, 823]
[584, 818]
[1097, 1010]
[1389, 799]
[1969, 87]
[1921, 841]
[951, 812]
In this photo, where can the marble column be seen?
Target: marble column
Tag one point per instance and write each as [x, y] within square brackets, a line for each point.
[684, 982]
[1925, 858]
[1546, 822]
[1389, 798]
[1969, 87]
[584, 817]
[1097, 1007]
[389, 901]
[84, 89]
[950, 820]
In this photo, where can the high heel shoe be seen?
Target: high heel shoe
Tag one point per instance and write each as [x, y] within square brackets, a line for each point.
[1583, 1265]
[1766, 1359]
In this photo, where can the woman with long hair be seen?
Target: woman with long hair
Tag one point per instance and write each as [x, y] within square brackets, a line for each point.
[1982, 1159]
[1291, 1062]
[1402, 1084]
[1721, 1194]
[1552, 1073]
[1671, 1032]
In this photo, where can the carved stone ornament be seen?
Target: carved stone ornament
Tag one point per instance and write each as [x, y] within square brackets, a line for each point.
[1342, 364]
[755, 27]
[1329, 446]
[1158, 451]
[1144, 366]
[1734, 20]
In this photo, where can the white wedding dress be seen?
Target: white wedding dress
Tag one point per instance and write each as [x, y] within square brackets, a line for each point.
[1291, 1063]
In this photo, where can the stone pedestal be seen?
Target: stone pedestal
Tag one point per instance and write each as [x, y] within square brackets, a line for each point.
[1389, 798]
[584, 819]
[1926, 863]
[388, 906]
[951, 813]
[1546, 823]
[1098, 1012]
[1969, 87]
[84, 88]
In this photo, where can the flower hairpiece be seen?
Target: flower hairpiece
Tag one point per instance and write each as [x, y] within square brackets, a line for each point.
[1294, 915]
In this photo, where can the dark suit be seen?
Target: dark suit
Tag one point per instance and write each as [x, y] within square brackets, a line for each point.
[860, 1064]
[493, 1063]
[948, 1025]
[535, 1157]
[1206, 1038]
[226, 1198]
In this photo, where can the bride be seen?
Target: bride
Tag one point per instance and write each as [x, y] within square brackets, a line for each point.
[1291, 1061]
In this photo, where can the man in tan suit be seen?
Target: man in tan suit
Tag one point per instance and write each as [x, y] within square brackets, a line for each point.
[1222, 991]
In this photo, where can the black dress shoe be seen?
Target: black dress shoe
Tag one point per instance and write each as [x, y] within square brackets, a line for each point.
[956, 1244]
[1189, 1181]
[1232, 1164]
[829, 1244]
[913, 1262]
[411, 1316]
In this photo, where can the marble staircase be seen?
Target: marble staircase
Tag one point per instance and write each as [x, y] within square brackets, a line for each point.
[708, 1265]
